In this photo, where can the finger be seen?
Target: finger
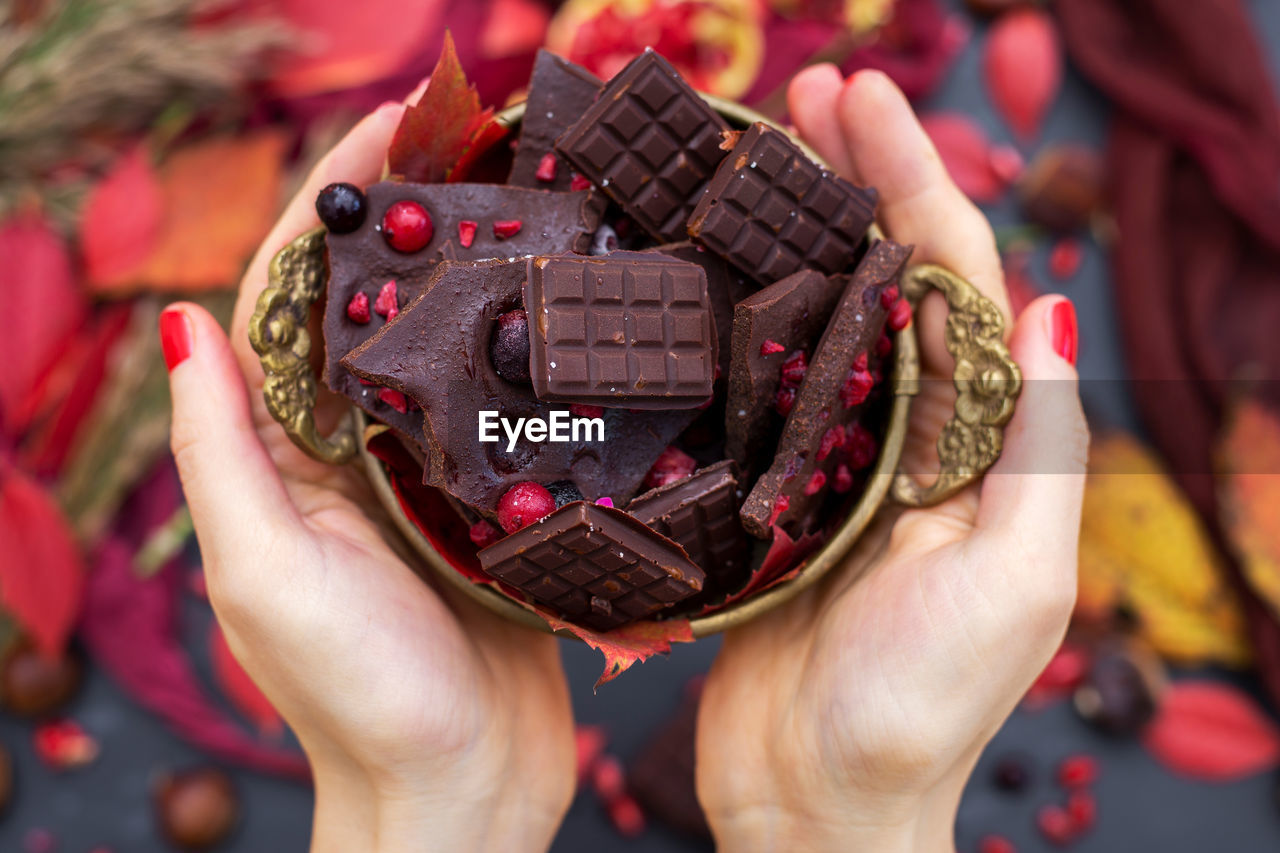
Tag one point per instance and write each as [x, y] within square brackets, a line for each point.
[811, 100]
[231, 484]
[357, 159]
[919, 203]
[1031, 497]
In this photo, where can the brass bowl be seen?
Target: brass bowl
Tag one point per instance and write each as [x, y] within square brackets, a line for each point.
[986, 378]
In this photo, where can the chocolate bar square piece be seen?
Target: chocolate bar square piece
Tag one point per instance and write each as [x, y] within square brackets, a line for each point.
[771, 211]
[628, 329]
[595, 565]
[650, 142]
[700, 514]
[559, 92]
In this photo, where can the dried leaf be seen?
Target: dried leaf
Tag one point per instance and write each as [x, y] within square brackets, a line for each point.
[239, 687]
[340, 48]
[1249, 458]
[220, 198]
[1142, 544]
[1022, 62]
[630, 644]
[121, 220]
[436, 130]
[1212, 731]
[42, 307]
[41, 576]
[966, 152]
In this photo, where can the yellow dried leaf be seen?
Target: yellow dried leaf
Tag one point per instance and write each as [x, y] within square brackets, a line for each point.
[1249, 496]
[1142, 544]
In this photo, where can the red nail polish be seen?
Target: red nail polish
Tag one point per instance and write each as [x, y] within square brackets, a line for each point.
[175, 336]
[1063, 332]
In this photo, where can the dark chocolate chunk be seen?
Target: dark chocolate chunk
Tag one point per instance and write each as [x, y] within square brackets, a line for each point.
[628, 329]
[725, 287]
[768, 326]
[772, 211]
[650, 142]
[821, 430]
[700, 514]
[437, 352]
[559, 92]
[594, 565]
[361, 262]
[662, 777]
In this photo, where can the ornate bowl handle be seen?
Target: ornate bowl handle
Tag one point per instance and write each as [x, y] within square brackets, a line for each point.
[278, 332]
[987, 385]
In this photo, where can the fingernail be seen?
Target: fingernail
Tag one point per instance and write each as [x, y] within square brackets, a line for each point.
[1063, 332]
[175, 336]
[385, 105]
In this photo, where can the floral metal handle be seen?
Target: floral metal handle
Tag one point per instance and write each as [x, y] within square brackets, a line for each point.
[278, 332]
[987, 384]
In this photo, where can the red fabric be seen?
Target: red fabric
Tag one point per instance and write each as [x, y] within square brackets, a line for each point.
[1194, 160]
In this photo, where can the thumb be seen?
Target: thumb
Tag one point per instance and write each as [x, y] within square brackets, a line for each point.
[232, 485]
[1034, 492]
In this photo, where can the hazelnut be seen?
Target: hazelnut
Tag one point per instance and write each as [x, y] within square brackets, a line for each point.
[196, 808]
[1063, 187]
[32, 684]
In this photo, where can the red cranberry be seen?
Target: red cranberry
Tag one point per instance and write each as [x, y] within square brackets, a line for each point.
[523, 504]
[197, 809]
[784, 400]
[626, 816]
[1078, 771]
[889, 295]
[816, 483]
[32, 684]
[341, 207]
[387, 304]
[547, 168]
[509, 349]
[1082, 806]
[1056, 825]
[607, 778]
[671, 465]
[769, 347]
[504, 228]
[793, 369]
[899, 315]
[394, 399]
[406, 226]
[483, 534]
[577, 182]
[884, 346]
[467, 233]
[996, 844]
[860, 446]
[358, 308]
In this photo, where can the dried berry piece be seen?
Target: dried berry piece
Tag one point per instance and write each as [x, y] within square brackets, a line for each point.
[547, 168]
[406, 226]
[1078, 771]
[585, 410]
[860, 446]
[394, 399]
[483, 534]
[564, 492]
[358, 308]
[793, 369]
[341, 207]
[842, 480]
[784, 400]
[1011, 774]
[858, 384]
[62, 744]
[577, 182]
[523, 504]
[831, 439]
[769, 347]
[1065, 258]
[626, 816]
[780, 505]
[467, 232]
[504, 228]
[816, 483]
[509, 349]
[607, 778]
[32, 684]
[884, 346]
[387, 304]
[671, 465]
[196, 809]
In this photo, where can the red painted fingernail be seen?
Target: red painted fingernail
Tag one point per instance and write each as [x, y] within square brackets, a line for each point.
[1063, 332]
[175, 336]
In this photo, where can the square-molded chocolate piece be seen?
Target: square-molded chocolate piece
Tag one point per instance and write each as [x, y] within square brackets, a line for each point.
[627, 330]
[559, 92]
[650, 142]
[771, 211]
[595, 566]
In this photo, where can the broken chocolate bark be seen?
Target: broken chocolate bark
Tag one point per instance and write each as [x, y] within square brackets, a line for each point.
[559, 93]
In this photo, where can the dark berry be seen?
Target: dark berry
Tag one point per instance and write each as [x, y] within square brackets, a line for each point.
[407, 227]
[671, 465]
[523, 504]
[32, 684]
[1115, 697]
[1011, 774]
[564, 492]
[197, 809]
[509, 349]
[341, 207]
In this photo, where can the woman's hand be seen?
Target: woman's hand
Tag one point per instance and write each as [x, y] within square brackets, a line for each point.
[427, 721]
[851, 718]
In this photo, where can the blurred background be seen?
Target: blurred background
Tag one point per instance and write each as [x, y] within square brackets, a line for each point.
[1127, 151]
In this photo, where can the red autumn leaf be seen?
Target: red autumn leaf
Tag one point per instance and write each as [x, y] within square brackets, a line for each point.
[42, 307]
[121, 219]
[342, 47]
[966, 152]
[473, 165]
[436, 130]
[41, 576]
[221, 196]
[630, 644]
[1212, 731]
[1023, 67]
[239, 687]
[781, 562]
